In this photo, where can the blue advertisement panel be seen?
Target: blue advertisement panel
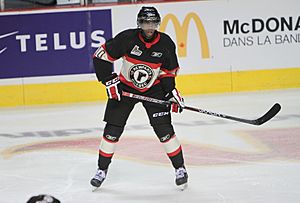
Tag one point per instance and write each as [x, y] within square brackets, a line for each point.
[52, 43]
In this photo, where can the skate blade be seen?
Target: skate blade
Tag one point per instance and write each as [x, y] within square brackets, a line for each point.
[183, 187]
[94, 189]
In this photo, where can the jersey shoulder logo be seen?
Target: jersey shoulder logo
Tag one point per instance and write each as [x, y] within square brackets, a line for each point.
[156, 54]
[136, 51]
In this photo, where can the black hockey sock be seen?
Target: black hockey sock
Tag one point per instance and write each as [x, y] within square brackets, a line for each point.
[103, 162]
[177, 160]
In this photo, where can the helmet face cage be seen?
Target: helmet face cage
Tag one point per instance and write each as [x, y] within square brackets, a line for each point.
[148, 18]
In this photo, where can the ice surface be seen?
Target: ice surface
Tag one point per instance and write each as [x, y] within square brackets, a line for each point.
[53, 150]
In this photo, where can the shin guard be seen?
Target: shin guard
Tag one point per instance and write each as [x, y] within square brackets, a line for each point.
[174, 151]
[107, 145]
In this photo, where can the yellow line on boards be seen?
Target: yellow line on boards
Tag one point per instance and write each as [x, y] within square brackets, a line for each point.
[84, 91]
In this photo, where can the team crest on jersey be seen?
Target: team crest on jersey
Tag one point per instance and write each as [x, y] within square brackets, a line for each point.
[136, 51]
[140, 75]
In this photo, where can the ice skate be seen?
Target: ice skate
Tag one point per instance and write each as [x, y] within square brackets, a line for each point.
[98, 179]
[181, 178]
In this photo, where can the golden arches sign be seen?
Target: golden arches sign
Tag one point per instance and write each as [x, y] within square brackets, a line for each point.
[181, 32]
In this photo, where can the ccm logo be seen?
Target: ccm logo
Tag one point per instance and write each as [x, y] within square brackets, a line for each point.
[160, 114]
[113, 81]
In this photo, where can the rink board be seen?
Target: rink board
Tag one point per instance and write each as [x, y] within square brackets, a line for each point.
[53, 93]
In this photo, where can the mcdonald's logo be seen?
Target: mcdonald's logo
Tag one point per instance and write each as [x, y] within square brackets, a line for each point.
[181, 32]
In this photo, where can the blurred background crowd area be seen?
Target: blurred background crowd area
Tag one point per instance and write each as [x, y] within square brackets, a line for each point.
[7, 5]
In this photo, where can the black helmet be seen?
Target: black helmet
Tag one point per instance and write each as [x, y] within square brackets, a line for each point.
[148, 14]
[43, 198]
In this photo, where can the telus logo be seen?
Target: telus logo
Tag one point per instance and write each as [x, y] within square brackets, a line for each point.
[4, 36]
[72, 40]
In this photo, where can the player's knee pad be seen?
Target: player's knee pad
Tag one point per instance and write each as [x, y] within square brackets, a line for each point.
[164, 132]
[167, 137]
[111, 136]
[112, 133]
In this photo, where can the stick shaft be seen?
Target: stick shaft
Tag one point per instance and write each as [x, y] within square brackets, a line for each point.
[267, 116]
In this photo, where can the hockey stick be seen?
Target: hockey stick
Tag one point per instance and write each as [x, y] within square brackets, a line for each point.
[267, 116]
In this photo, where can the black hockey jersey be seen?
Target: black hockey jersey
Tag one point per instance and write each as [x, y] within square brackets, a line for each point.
[144, 63]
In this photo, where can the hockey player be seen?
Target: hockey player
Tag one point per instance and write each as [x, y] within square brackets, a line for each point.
[43, 199]
[149, 68]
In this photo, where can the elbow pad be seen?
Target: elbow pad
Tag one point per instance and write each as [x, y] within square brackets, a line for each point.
[103, 68]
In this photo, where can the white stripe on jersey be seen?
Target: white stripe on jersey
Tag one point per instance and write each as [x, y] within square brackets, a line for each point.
[101, 53]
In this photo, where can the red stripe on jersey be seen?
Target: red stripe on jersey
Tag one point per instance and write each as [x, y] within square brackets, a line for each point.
[170, 75]
[149, 44]
[130, 84]
[171, 154]
[105, 154]
[170, 71]
[135, 61]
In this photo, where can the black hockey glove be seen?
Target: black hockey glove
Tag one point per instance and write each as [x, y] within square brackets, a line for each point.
[112, 84]
[177, 105]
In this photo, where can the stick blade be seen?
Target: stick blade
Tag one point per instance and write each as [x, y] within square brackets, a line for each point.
[267, 116]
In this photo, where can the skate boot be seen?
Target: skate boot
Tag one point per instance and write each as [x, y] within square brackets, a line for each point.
[99, 177]
[181, 178]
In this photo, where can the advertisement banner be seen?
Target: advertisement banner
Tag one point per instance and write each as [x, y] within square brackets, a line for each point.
[223, 36]
[50, 44]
